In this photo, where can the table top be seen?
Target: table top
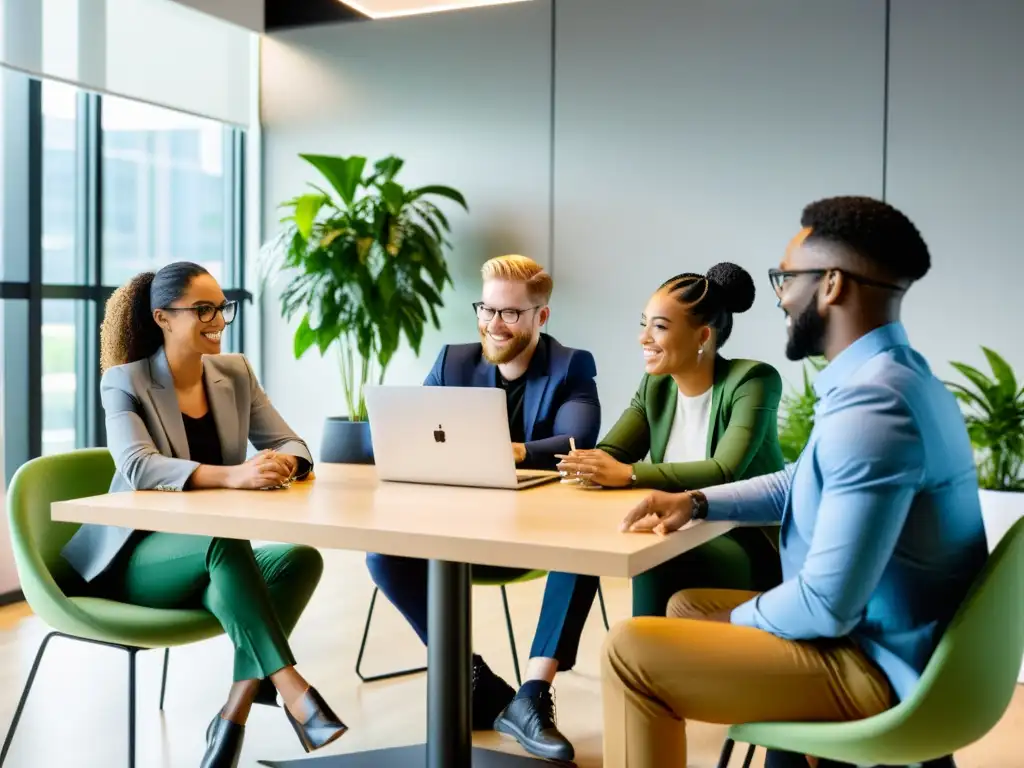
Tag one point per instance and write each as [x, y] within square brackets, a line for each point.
[552, 527]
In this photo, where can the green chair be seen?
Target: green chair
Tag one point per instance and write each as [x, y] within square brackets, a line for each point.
[964, 691]
[478, 581]
[37, 542]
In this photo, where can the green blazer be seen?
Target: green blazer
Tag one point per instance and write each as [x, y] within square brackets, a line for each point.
[743, 438]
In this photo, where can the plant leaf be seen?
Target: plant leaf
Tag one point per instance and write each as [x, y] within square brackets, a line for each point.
[304, 337]
[1003, 372]
[306, 209]
[344, 173]
[441, 191]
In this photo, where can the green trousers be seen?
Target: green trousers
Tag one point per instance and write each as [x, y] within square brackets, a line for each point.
[743, 558]
[257, 594]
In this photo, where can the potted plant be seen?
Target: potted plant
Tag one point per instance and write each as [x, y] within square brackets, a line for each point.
[366, 265]
[994, 413]
[796, 418]
[993, 410]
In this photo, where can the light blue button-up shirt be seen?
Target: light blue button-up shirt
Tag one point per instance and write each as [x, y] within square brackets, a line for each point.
[881, 533]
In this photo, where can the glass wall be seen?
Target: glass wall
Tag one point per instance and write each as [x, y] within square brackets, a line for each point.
[93, 190]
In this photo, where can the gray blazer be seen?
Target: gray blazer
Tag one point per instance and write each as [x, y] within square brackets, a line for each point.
[146, 437]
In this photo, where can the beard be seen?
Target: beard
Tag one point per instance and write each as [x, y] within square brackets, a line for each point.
[806, 333]
[509, 351]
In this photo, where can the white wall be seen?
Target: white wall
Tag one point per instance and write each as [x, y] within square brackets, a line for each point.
[464, 98]
[684, 134]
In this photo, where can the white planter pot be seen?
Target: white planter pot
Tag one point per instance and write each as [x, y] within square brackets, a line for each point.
[999, 511]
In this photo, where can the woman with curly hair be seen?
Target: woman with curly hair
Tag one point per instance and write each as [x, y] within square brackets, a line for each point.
[179, 416]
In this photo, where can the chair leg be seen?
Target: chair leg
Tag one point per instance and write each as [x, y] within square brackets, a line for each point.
[511, 636]
[604, 612]
[163, 677]
[750, 755]
[131, 707]
[362, 650]
[723, 760]
[24, 695]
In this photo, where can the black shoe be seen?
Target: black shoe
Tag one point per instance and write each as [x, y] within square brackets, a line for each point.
[531, 720]
[223, 743]
[266, 694]
[318, 725]
[490, 695]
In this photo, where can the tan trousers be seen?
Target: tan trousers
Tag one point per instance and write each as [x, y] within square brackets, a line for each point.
[658, 672]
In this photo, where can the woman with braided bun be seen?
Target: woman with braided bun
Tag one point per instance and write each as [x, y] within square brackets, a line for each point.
[704, 420]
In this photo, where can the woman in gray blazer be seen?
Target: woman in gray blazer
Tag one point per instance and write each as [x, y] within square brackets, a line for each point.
[179, 416]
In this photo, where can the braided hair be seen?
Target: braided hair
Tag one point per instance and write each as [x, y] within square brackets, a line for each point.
[713, 298]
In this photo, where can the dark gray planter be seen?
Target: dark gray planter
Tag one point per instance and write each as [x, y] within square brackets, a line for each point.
[346, 442]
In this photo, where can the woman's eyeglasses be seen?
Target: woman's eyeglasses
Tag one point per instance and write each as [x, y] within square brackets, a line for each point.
[206, 312]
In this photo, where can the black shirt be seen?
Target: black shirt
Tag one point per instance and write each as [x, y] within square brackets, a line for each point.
[203, 442]
[514, 393]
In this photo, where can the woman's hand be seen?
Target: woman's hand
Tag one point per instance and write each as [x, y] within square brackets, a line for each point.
[264, 470]
[660, 513]
[596, 466]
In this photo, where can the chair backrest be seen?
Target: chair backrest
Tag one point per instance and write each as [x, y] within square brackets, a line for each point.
[35, 538]
[970, 678]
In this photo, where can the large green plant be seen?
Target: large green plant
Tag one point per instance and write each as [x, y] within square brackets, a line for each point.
[994, 413]
[796, 417]
[367, 266]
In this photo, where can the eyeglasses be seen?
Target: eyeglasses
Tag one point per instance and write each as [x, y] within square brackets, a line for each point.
[509, 316]
[779, 278]
[206, 312]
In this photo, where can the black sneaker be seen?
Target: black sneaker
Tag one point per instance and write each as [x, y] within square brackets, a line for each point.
[531, 721]
[490, 695]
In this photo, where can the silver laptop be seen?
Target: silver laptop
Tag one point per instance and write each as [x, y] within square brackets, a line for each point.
[445, 436]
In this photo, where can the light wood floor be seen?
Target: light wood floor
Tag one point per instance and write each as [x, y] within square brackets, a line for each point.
[77, 714]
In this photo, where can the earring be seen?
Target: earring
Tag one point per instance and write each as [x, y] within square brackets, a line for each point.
[700, 353]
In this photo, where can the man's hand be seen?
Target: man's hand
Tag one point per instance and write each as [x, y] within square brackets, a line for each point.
[519, 452]
[660, 513]
[596, 466]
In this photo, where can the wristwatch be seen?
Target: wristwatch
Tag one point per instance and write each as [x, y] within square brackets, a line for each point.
[698, 506]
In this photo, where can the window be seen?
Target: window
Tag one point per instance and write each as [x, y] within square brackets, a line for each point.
[163, 190]
[94, 189]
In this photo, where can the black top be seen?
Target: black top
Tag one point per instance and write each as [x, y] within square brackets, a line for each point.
[203, 442]
[514, 393]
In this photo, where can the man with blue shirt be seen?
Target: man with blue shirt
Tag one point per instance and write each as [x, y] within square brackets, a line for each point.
[551, 397]
[881, 532]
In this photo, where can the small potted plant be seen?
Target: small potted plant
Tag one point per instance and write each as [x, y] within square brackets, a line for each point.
[796, 419]
[993, 410]
[366, 266]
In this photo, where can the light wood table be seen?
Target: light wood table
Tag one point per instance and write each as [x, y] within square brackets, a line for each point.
[552, 527]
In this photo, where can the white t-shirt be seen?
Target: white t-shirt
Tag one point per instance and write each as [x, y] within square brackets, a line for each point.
[688, 440]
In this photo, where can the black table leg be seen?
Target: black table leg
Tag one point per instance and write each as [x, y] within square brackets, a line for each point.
[449, 662]
[449, 666]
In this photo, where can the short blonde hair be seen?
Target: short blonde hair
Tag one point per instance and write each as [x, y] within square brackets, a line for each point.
[520, 269]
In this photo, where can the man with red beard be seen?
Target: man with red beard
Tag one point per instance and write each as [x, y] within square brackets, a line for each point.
[551, 396]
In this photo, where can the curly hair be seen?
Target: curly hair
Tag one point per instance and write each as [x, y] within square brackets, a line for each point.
[713, 298]
[874, 230]
[129, 332]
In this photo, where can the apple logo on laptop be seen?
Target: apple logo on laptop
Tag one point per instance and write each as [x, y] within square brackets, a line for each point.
[439, 434]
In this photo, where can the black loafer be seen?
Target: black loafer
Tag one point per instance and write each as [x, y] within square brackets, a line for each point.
[317, 726]
[223, 743]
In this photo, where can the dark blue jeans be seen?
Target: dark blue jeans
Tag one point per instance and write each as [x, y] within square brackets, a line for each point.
[564, 610]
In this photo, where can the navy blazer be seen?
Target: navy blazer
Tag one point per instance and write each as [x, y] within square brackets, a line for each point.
[560, 399]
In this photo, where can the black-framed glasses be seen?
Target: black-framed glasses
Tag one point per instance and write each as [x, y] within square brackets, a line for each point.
[509, 315]
[206, 312]
[779, 278]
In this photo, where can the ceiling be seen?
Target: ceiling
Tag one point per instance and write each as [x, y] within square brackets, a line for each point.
[282, 14]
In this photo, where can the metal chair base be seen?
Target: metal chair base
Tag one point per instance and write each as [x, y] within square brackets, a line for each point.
[131, 650]
[417, 670]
